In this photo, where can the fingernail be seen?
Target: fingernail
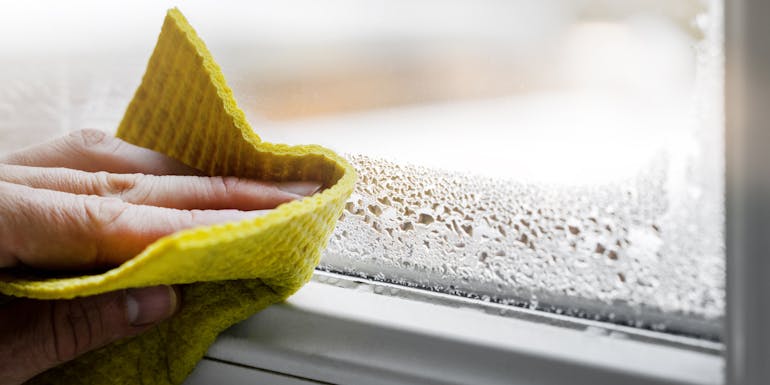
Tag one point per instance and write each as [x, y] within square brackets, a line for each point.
[149, 305]
[299, 188]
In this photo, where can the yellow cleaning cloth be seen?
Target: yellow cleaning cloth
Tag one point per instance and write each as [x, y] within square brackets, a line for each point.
[184, 109]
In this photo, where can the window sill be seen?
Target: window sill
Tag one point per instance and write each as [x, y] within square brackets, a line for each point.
[356, 334]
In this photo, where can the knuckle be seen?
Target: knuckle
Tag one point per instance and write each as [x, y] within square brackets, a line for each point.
[231, 184]
[88, 138]
[116, 185]
[223, 186]
[191, 218]
[103, 212]
[144, 186]
[76, 325]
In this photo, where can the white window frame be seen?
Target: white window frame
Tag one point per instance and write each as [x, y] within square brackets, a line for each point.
[357, 332]
[747, 140]
[342, 330]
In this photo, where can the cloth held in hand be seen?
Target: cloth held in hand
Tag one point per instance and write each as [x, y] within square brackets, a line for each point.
[184, 109]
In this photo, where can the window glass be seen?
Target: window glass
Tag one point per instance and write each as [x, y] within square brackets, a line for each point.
[561, 155]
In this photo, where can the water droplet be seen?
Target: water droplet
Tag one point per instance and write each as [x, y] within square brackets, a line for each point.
[425, 219]
[599, 249]
[375, 209]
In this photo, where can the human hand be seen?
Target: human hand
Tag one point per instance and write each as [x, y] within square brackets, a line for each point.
[90, 201]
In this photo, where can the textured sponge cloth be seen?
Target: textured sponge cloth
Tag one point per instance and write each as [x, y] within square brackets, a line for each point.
[184, 109]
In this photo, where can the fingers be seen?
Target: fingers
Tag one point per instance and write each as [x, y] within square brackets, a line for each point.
[180, 192]
[57, 230]
[94, 150]
[81, 202]
[38, 335]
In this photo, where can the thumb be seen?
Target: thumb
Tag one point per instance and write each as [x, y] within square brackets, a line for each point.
[38, 335]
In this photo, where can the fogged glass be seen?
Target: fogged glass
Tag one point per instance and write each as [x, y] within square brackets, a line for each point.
[561, 155]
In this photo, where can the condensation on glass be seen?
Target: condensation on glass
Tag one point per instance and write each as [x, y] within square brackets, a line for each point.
[560, 155]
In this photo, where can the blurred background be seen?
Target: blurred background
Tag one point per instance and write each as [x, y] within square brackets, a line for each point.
[590, 79]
